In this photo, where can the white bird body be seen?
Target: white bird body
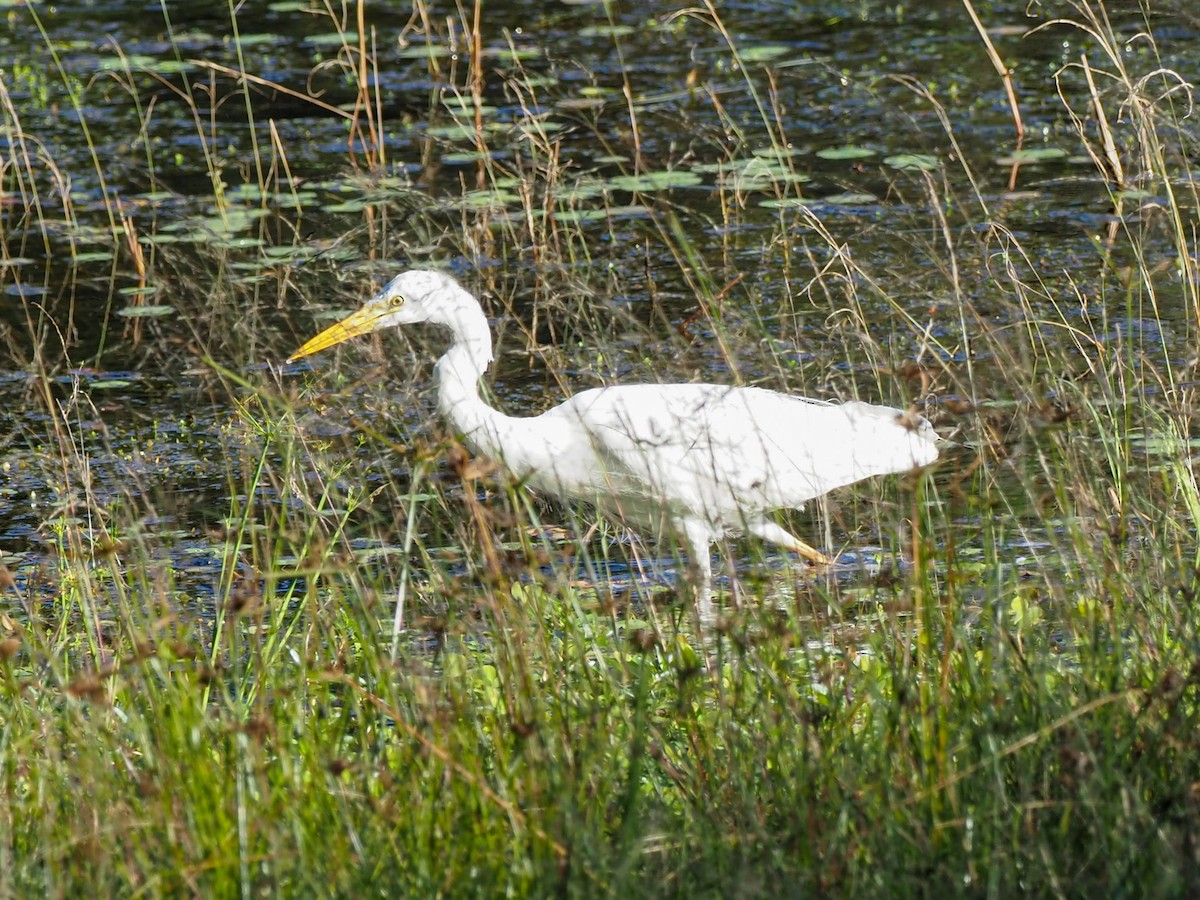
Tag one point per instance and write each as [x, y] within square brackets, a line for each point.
[702, 460]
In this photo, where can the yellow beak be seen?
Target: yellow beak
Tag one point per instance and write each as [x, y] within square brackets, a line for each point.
[363, 321]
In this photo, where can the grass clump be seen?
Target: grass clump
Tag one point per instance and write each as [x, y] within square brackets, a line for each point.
[291, 639]
[543, 747]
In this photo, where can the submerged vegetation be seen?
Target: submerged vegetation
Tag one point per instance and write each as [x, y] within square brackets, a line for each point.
[266, 629]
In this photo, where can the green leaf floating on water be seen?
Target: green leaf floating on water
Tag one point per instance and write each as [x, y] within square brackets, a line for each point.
[775, 152]
[575, 103]
[109, 384]
[347, 206]
[655, 181]
[489, 199]
[465, 156]
[1039, 154]
[764, 53]
[846, 152]
[788, 203]
[289, 252]
[759, 172]
[146, 312]
[332, 39]
[606, 31]
[850, 198]
[129, 61]
[462, 131]
[922, 161]
[582, 216]
[237, 243]
[463, 108]
[424, 51]
[145, 63]
[257, 38]
[539, 126]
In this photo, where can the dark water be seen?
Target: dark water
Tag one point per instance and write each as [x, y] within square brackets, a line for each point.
[253, 209]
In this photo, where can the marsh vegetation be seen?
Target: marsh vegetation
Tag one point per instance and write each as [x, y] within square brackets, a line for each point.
[267, 628]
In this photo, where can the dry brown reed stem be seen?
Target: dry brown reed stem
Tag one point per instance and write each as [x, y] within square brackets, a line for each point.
[273, 85]
[1111, 162]
[1002, 70]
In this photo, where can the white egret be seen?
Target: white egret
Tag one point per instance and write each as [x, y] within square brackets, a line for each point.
[701, 460]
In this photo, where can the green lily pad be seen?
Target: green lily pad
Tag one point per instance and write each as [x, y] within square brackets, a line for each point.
[489, 199]
[238, 243]
[850, 198]
[520, 54]
[146, 312]
[243, 193]
[258, 38]
[289, 252]
[655, 181]
[461, 131]
[424, 51]
[128, 61]
[920, 161]
[332, 39]
[846, 152]
[348, 206]
[578, 103]
[787, 203]
[232, 220]
[592, 31]
[775, 152]
[109, 384]
[1040, 154]
[465, 156]
[296, 200]
[758, 173]
[539, 126]
[582, 216]
[764, 53]
[463, 108]
[583, 189]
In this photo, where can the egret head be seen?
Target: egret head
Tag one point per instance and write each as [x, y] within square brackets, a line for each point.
[419, 295]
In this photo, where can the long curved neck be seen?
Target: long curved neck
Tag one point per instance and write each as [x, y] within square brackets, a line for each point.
[458, 373]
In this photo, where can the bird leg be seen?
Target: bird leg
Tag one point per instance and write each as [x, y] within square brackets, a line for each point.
[770, 531]
[699, 567]
[635, 544]
[735, 589]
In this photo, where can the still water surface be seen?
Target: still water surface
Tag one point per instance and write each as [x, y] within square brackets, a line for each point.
[201, 222]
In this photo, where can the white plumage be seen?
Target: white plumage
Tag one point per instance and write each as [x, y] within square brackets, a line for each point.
[702, 460]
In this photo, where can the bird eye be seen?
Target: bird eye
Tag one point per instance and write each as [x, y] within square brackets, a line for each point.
[397, 300]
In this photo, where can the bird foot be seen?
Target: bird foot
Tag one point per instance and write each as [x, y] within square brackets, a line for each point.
[814, 555]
